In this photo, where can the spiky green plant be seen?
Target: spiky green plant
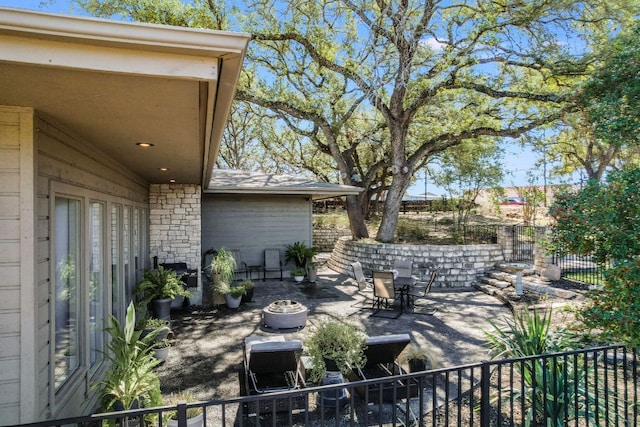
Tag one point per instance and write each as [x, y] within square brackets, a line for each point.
[130, 375]
[554, 388]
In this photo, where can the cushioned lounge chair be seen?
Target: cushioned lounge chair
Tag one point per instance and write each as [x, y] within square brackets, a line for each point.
[382, 353]
[272, 364]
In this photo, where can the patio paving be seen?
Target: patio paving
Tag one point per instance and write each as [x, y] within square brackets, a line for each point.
[206, 355]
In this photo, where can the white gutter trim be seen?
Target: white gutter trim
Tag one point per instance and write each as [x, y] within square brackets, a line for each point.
[133, 35]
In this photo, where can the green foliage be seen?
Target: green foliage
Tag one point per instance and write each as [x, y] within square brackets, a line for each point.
[159, 284]
[554, 388]
[298, 272]
[532, 197]
[603, 220]
[130, 375]
[527, 335]
[612, 314]
[300, 254]
[337, 341]
[153, 323]
[408, 230]
[600, 219]
[223, 266]
[247, 284]
[235, 290]
[611, 96]
[183, 396]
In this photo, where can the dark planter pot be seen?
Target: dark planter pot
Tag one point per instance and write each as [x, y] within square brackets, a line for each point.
[331, 365]
[417, 365]
[248, 296]
[135, 404]
[162, 308]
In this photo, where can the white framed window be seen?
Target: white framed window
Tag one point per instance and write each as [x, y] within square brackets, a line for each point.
[92, 247]
[97, 281]
[67, 229]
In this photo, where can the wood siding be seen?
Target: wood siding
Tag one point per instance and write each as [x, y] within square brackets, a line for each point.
[66, 159]
[17, 231]
[252, 223]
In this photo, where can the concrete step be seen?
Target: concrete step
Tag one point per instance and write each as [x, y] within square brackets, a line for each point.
[496, 283]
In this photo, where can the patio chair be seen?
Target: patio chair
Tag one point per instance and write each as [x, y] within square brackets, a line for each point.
[358, 274]
[272, 364]
[404, 268]
[382, 353]
[365, 285]
[384, 293]
[419, 293]
[241, 267]
[272, 262]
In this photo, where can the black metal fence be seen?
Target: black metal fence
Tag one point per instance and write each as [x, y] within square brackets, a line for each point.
[524, 243]
[580, 268]
[480, 233]
[593, 387]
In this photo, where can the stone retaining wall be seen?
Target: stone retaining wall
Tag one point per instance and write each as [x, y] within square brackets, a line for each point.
[459, 264]
[325, 238]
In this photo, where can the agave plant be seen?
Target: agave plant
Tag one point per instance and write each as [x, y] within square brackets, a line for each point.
[553, 387]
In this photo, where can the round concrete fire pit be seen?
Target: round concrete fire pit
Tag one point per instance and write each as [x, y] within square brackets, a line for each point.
[284, 314]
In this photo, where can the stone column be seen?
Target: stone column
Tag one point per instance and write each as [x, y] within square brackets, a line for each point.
[175, 227]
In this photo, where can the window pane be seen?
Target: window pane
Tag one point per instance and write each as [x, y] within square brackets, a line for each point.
[126, 254]
[67, 249]
[116, 273]
[96, 281]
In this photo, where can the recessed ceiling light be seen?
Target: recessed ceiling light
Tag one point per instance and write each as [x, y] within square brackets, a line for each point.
[163, 169]
[172, 181]
[144, 144]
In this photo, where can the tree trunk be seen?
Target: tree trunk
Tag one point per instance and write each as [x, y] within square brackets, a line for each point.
[356, 218]
[392, 203]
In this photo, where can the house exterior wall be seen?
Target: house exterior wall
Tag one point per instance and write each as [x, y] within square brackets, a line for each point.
[39, 160]
[17, 253]
[174, 227]
[68, 165]
[252, 223]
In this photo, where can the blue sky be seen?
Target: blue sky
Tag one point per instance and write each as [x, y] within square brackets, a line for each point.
[518, 161]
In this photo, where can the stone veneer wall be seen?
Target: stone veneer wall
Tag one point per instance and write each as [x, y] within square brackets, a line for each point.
[175, 227]
[459, 264]
[325, 238]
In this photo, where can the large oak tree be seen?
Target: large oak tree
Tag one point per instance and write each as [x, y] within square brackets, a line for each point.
[379, 87]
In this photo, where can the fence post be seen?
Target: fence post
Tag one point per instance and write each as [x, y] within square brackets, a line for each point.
[182, 413]
[485, 398]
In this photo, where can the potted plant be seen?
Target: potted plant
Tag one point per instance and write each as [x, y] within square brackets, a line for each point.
[154, 324]
[232, 293]
[194, 414]
[300, 254]
[419, 358]
[223, 266]
[158, 288]
[129, 380]
[161, 349]
[312, 271]
[298, 274]
[335, 346]
[248, 287]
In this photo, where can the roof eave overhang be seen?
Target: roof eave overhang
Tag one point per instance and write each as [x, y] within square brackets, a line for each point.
[213, 58]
